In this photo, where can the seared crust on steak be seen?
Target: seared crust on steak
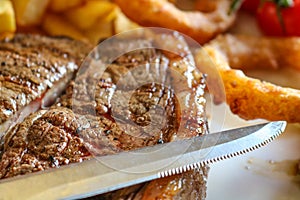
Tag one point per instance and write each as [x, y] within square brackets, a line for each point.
[184, 186]
[96, 116]
[30, 65]
[44, 139]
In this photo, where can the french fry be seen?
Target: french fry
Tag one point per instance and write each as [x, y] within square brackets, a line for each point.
[98, 31]
[86, 16]
[63, 5]
[122, 23]
[56, 25]
[29, 12]
[7, 19]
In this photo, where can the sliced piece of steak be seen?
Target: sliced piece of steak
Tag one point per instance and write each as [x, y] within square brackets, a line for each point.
[30, 66]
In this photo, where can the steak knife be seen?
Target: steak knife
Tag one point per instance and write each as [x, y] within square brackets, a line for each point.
[107, 173]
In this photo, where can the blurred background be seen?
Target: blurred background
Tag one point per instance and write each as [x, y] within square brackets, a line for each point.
[86, 20]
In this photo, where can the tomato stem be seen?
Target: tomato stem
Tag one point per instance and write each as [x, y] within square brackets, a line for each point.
[279, 5]
[234, 6]
[280, 18]
[284, 3]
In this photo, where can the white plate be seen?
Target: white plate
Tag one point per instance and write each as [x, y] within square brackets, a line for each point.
[264, 173]
[258, 175]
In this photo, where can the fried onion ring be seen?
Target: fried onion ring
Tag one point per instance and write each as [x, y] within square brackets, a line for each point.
[248, 52]
[201, 26]
[248, 97]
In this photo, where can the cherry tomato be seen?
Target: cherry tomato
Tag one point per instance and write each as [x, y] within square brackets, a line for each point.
[269, 20]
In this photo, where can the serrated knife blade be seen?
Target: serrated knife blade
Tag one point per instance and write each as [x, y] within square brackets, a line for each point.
[108, 173]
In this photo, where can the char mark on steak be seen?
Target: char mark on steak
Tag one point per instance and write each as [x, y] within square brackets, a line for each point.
[141, 98]
[33, 71]
[43, 140]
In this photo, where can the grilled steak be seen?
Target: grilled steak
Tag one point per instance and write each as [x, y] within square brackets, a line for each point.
[30, 66]
[44, 139]
[141, 98]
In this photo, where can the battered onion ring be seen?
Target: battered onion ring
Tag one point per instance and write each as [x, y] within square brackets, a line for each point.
[248, 97]
[248, 52]
[202, 26]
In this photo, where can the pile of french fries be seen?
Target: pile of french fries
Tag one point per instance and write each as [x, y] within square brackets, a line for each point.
[86, 20]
